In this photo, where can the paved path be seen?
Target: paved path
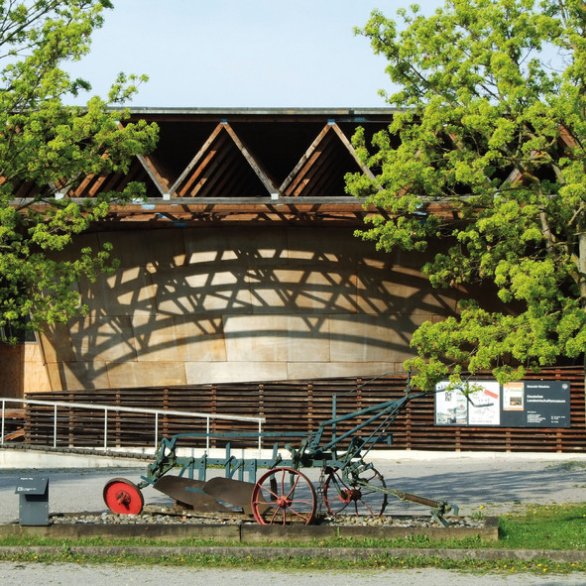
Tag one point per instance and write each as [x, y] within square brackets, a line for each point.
[500, 483]
[497, 483]
[73, 575]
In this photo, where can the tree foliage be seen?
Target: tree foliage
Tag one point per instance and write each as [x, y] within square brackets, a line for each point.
[490, 126]
[45, 145]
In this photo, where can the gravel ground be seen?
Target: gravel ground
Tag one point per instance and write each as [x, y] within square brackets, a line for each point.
[493, 484]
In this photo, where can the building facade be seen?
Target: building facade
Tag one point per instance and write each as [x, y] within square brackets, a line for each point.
[241, 265]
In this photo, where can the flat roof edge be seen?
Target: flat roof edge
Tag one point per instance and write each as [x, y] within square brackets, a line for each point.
[264, 111]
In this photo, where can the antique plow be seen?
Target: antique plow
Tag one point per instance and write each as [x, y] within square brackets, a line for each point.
[348, 484]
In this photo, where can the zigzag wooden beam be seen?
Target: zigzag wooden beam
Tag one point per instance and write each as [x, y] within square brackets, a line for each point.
[254, 164]
[148, 165]
[352, 151]
[160, 182]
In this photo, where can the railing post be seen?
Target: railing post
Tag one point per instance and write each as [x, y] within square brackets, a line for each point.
[3, 408]
[55, 425]
[207, 435]
[105, 428]
[156, 429]
[334, 414]
[259, 437]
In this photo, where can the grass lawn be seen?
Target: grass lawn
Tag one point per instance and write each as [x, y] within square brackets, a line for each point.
[545, 527]
[551, 527]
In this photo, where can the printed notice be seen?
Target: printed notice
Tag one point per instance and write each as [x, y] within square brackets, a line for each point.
[547, 403]
[485, 407]
[451, 406]
[514, 396]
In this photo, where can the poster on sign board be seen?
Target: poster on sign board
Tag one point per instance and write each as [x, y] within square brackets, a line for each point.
[485, 403]
[451, 407]
[514, 396]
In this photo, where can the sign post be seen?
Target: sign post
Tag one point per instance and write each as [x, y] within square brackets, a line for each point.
[34, 501]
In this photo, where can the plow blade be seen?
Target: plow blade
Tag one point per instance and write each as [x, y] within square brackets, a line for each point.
[235, 492]
[221, 495]
[189, 494]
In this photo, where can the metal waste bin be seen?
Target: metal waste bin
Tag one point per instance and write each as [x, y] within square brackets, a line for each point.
[34, 500]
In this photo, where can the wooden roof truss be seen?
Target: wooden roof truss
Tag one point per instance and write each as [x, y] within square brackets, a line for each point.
[224, 167]
[222, 179]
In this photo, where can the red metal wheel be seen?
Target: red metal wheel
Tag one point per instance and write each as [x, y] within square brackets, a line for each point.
[361, 494]
[283, 495]
[123, 497]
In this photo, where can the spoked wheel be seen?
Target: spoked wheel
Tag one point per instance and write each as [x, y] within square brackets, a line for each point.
[123, 497]
[363, 494]
[283, 495]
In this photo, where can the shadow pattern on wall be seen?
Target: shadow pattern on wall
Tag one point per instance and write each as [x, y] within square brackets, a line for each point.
[209, 305]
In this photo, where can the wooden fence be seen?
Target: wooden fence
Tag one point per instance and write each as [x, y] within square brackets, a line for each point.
[300, 407]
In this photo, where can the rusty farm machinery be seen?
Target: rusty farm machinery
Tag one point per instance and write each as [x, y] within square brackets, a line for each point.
[348, 484]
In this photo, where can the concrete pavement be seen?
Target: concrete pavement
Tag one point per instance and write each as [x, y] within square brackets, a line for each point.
[493, 483]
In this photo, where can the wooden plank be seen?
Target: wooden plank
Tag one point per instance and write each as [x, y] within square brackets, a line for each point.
[14, 413]
[306, 175]
[567, 137]
[254, 164]
[112, 180]
[348, 145]
[132, 175]
[236, 178]
[198, 156]
[80, 189]
[13, 435]
[301, 180]
[214, 171]
[304, 158]
[95, 188]
[215, 150]
[320, 175]
[149, 165]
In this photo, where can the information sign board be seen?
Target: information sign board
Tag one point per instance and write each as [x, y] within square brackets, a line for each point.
[518, 404]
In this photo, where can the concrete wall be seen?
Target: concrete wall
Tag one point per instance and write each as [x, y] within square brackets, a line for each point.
[233, 303]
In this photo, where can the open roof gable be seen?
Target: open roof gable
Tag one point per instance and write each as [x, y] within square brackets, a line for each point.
[321, 169]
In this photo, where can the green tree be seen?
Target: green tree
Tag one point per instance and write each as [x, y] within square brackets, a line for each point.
[45, 147]
[491, 129]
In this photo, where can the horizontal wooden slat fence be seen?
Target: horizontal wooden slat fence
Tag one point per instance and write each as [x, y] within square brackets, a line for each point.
[295, 407]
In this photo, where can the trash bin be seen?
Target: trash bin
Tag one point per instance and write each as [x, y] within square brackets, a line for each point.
[34, 500]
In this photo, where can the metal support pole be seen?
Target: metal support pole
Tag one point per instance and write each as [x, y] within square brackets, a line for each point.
[54, 426]
[259, 438]
[105, 428]
[156, 430]
[207, 435]
[3, 409]
[334, 407]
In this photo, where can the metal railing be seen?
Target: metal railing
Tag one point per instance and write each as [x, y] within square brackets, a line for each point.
[106, 409]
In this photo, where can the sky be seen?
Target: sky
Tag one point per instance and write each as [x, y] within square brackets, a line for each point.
[242, 53]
